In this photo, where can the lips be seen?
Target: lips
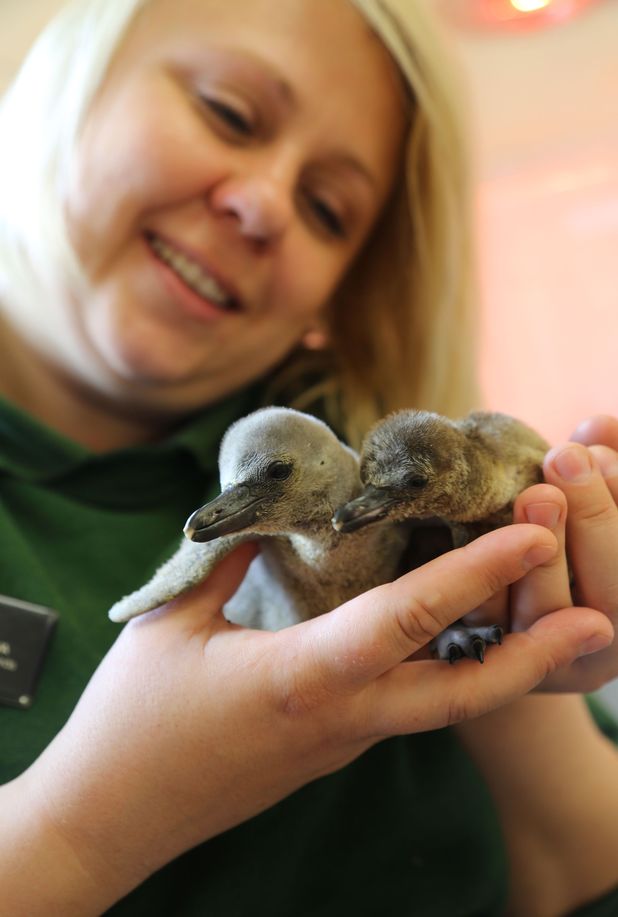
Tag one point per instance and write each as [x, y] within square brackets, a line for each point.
[194, 271]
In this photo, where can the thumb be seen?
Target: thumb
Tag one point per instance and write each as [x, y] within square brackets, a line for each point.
[207, 598]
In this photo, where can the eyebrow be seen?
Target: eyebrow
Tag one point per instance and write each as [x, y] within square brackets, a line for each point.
[288, 98]
[348, 161]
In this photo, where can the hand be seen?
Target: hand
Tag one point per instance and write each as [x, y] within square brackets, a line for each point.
[582, 491]
[191, 724]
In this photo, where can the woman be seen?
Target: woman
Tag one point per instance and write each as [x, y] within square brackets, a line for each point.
[222, 201]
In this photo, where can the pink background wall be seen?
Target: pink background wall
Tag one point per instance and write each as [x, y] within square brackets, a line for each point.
[550, 284]
[545, 123]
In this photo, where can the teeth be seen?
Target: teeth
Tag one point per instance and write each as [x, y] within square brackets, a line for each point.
[192, 273]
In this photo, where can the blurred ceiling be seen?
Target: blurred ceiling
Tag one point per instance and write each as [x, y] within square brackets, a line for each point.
[531, 92]
[551, 90]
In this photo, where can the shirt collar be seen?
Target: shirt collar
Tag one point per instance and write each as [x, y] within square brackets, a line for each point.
[31, 451]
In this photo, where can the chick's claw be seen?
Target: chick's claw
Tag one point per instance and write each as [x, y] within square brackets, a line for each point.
[465, 640]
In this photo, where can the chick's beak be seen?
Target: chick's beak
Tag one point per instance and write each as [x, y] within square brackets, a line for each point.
[234, 510]
[373, 504]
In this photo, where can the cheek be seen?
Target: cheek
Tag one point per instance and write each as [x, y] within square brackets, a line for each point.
[309, 275]
[134, 158]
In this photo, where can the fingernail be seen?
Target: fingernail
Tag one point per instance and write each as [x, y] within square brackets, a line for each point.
[573, 464]
[594, 644]
[545, 514]
[539, 554]
[581, 431]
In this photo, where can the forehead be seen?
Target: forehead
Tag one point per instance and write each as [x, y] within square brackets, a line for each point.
[326, 20]
[315, 38]
[320, 54]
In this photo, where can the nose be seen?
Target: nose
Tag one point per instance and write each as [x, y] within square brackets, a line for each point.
[259, 200]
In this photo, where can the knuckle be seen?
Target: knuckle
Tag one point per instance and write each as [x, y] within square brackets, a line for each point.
[490, 575]
[466, 705]
[304, 691]
[289, 695]
[417, 622]
[595, 513]
[546, 666]
[457, 711]
[543, 660]
[295, 697]
[491, 581]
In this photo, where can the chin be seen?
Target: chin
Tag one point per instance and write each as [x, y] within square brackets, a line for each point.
[163, 381]
[139, 365]
[134, 355]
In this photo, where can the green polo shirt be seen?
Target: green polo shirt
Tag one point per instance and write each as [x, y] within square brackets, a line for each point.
[407, 829]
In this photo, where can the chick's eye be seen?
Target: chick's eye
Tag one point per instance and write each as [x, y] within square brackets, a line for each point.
[231, 117]
[278, 471]
[418, 481]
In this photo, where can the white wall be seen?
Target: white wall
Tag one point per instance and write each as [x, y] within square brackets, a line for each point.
[20, 21]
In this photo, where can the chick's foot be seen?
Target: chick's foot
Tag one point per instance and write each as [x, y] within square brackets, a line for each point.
[461, 639]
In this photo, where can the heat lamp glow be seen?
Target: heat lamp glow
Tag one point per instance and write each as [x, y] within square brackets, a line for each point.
[529, 6]
[513, 15]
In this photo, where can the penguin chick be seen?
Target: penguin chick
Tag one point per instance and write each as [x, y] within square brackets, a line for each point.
[467, 473]
[283, 473]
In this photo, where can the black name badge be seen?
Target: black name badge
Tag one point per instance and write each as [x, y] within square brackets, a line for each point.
[25, 632]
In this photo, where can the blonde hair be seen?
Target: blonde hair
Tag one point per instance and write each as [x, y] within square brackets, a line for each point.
[401, 324]
[41, 115]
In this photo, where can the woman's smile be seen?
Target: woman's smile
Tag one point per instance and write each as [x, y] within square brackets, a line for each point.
[191, 281]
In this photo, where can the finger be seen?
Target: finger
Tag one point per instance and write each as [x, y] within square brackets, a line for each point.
[601, 434]
[204, 601]
[601, 429]
[607, 460]
[592, 525]
[418, 696]
[493, 611]
[375, 631]
[546, 588]
[590, 671]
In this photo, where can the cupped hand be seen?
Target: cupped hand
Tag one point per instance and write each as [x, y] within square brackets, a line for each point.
[579, 504]
[191, 724]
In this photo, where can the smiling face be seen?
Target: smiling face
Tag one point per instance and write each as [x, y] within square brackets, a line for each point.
[230, 169]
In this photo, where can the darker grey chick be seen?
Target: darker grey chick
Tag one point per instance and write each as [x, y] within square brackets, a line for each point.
[466, 473]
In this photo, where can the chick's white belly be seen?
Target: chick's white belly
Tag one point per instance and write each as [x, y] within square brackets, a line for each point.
[261, 601]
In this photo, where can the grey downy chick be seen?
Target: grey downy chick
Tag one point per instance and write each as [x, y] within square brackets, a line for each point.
[283, 474]
[467, 473]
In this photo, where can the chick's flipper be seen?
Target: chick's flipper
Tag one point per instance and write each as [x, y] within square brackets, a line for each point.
[191, 564]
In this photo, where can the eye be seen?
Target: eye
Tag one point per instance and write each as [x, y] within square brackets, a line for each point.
[278, 471]
[417, 481]
[229, 116]
[329, 219]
